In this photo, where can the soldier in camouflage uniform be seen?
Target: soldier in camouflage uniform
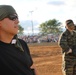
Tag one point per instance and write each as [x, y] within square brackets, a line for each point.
[67, 42]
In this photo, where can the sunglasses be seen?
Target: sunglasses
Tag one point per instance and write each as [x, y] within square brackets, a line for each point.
[12, 17]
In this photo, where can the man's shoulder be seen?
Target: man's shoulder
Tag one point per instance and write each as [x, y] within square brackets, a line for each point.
[66, 32]
[22, 41]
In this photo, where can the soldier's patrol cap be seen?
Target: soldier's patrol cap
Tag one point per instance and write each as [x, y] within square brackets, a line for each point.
[69, 22]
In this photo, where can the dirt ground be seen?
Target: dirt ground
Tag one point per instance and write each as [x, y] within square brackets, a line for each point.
[47, 59]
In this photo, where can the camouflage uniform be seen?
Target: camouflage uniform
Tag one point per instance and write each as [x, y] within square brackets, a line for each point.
[67, 41]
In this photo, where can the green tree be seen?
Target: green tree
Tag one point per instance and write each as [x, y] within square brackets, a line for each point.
[52, 26]
[20, 30]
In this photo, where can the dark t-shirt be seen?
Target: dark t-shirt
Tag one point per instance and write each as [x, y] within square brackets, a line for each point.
[13, 61]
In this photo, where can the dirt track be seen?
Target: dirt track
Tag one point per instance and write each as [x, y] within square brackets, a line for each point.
[47, 59]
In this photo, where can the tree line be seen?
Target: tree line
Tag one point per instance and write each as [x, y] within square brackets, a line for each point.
[51, 26]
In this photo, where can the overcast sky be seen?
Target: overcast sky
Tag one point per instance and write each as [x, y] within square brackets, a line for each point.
[42, 10]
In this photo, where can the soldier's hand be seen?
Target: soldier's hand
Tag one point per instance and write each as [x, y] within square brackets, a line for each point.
[70, 51]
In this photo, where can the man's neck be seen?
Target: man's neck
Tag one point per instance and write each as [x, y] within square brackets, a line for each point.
[6, 38]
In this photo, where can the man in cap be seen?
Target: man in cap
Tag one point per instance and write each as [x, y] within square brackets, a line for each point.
[15, 58]
[67, 42]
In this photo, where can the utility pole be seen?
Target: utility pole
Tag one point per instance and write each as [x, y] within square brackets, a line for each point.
[32, 22]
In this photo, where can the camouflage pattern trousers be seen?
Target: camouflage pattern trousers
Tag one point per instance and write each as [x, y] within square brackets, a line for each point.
[68, 64]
